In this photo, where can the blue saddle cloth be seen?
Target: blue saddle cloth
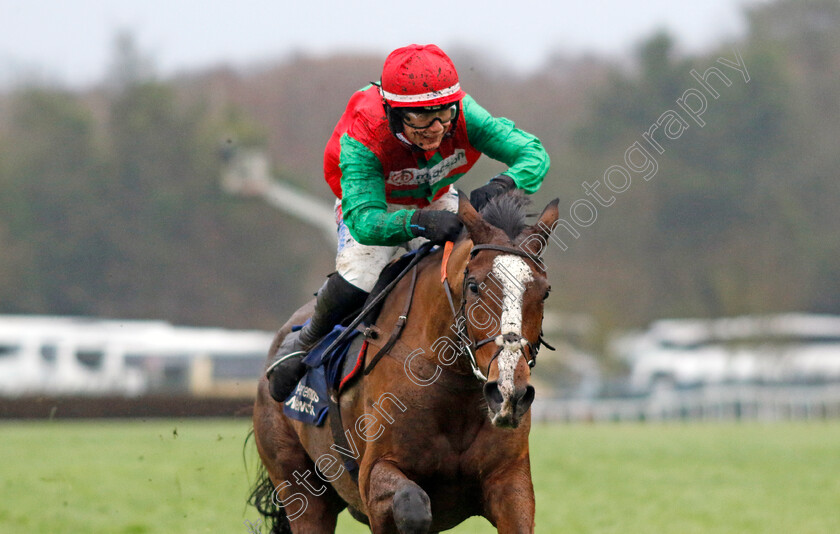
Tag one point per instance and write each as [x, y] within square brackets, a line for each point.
[309, 402]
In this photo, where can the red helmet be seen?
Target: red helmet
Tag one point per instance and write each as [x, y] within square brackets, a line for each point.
[418, 75]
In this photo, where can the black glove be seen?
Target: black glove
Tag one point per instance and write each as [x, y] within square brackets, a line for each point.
[437, 226]
[495, 187]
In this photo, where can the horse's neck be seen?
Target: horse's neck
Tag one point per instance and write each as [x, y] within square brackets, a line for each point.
[436, 310]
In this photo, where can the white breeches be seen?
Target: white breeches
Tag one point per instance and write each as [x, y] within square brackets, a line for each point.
[361, 264]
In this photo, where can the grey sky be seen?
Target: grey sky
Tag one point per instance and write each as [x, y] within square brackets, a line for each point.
[70, 41]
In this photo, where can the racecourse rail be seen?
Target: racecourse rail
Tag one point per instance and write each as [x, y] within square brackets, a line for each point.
[710, 403]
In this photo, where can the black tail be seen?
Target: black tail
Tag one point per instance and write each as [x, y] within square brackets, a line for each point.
[262, 498]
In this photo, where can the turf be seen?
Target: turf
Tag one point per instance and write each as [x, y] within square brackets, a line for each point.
[165, 476]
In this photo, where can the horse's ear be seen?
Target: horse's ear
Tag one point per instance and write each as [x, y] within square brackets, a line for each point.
[480, 231]
[534, 238]
[466, 211]
[548, 217]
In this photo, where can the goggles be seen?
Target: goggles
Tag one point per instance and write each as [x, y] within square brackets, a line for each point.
[420, 120]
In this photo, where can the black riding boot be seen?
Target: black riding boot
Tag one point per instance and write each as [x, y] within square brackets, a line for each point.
[337, 298]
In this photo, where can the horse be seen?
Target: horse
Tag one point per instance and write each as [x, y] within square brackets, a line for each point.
[439, 427]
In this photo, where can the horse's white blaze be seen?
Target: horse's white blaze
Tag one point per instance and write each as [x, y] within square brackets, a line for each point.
[513, 273]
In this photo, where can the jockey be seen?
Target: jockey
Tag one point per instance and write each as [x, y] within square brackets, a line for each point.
[391, 162]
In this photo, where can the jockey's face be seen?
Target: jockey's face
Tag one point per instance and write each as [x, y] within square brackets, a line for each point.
[429, 137]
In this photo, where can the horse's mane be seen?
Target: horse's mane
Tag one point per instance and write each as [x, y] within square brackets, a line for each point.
[507, 212]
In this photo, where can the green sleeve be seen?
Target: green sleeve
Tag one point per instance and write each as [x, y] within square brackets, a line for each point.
[363, 204]
[522, 152]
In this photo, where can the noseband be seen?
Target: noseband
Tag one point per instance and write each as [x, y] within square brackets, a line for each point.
[466, 344]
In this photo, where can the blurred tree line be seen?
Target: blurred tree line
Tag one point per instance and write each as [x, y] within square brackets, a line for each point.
[110, 202]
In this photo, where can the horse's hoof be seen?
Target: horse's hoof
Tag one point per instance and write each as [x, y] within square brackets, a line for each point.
[412, 510]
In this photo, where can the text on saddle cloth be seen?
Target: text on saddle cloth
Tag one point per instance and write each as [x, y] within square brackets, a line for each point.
[309, 402]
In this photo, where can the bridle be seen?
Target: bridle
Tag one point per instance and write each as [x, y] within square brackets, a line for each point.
[468, 346]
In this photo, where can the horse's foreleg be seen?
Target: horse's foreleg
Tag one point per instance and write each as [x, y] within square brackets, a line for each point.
[509, 499]
[396, 504]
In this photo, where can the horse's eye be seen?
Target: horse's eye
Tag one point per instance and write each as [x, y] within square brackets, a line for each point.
[472, 286]
[547, 292]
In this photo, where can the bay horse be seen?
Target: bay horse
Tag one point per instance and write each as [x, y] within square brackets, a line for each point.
[439, 427]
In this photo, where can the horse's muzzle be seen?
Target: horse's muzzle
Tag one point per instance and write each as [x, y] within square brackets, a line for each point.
[507, 412]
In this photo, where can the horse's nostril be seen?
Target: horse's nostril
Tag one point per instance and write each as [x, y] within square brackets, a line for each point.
[493, 396]
[521, 393]
[524, 398]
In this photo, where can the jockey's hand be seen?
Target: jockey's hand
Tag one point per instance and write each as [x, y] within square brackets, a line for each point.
[438, 226]
[495, 187]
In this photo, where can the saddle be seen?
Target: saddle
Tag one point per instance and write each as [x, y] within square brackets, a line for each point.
[337, 360]
[309, 402]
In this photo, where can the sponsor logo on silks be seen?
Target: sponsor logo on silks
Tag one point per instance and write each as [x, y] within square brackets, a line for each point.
[429, 175]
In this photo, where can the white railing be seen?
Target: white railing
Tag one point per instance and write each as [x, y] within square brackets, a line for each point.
[731, 402]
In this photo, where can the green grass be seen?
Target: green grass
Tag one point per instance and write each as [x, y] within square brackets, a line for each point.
[188, 476]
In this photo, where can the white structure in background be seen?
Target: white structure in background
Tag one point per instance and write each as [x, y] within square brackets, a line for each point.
[779, 349]
[248, 173]
[76, 355]
[580, 372]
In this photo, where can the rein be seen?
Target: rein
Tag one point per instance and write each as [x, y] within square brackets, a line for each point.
[460, 317]
[419, 254]
[468, 349]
